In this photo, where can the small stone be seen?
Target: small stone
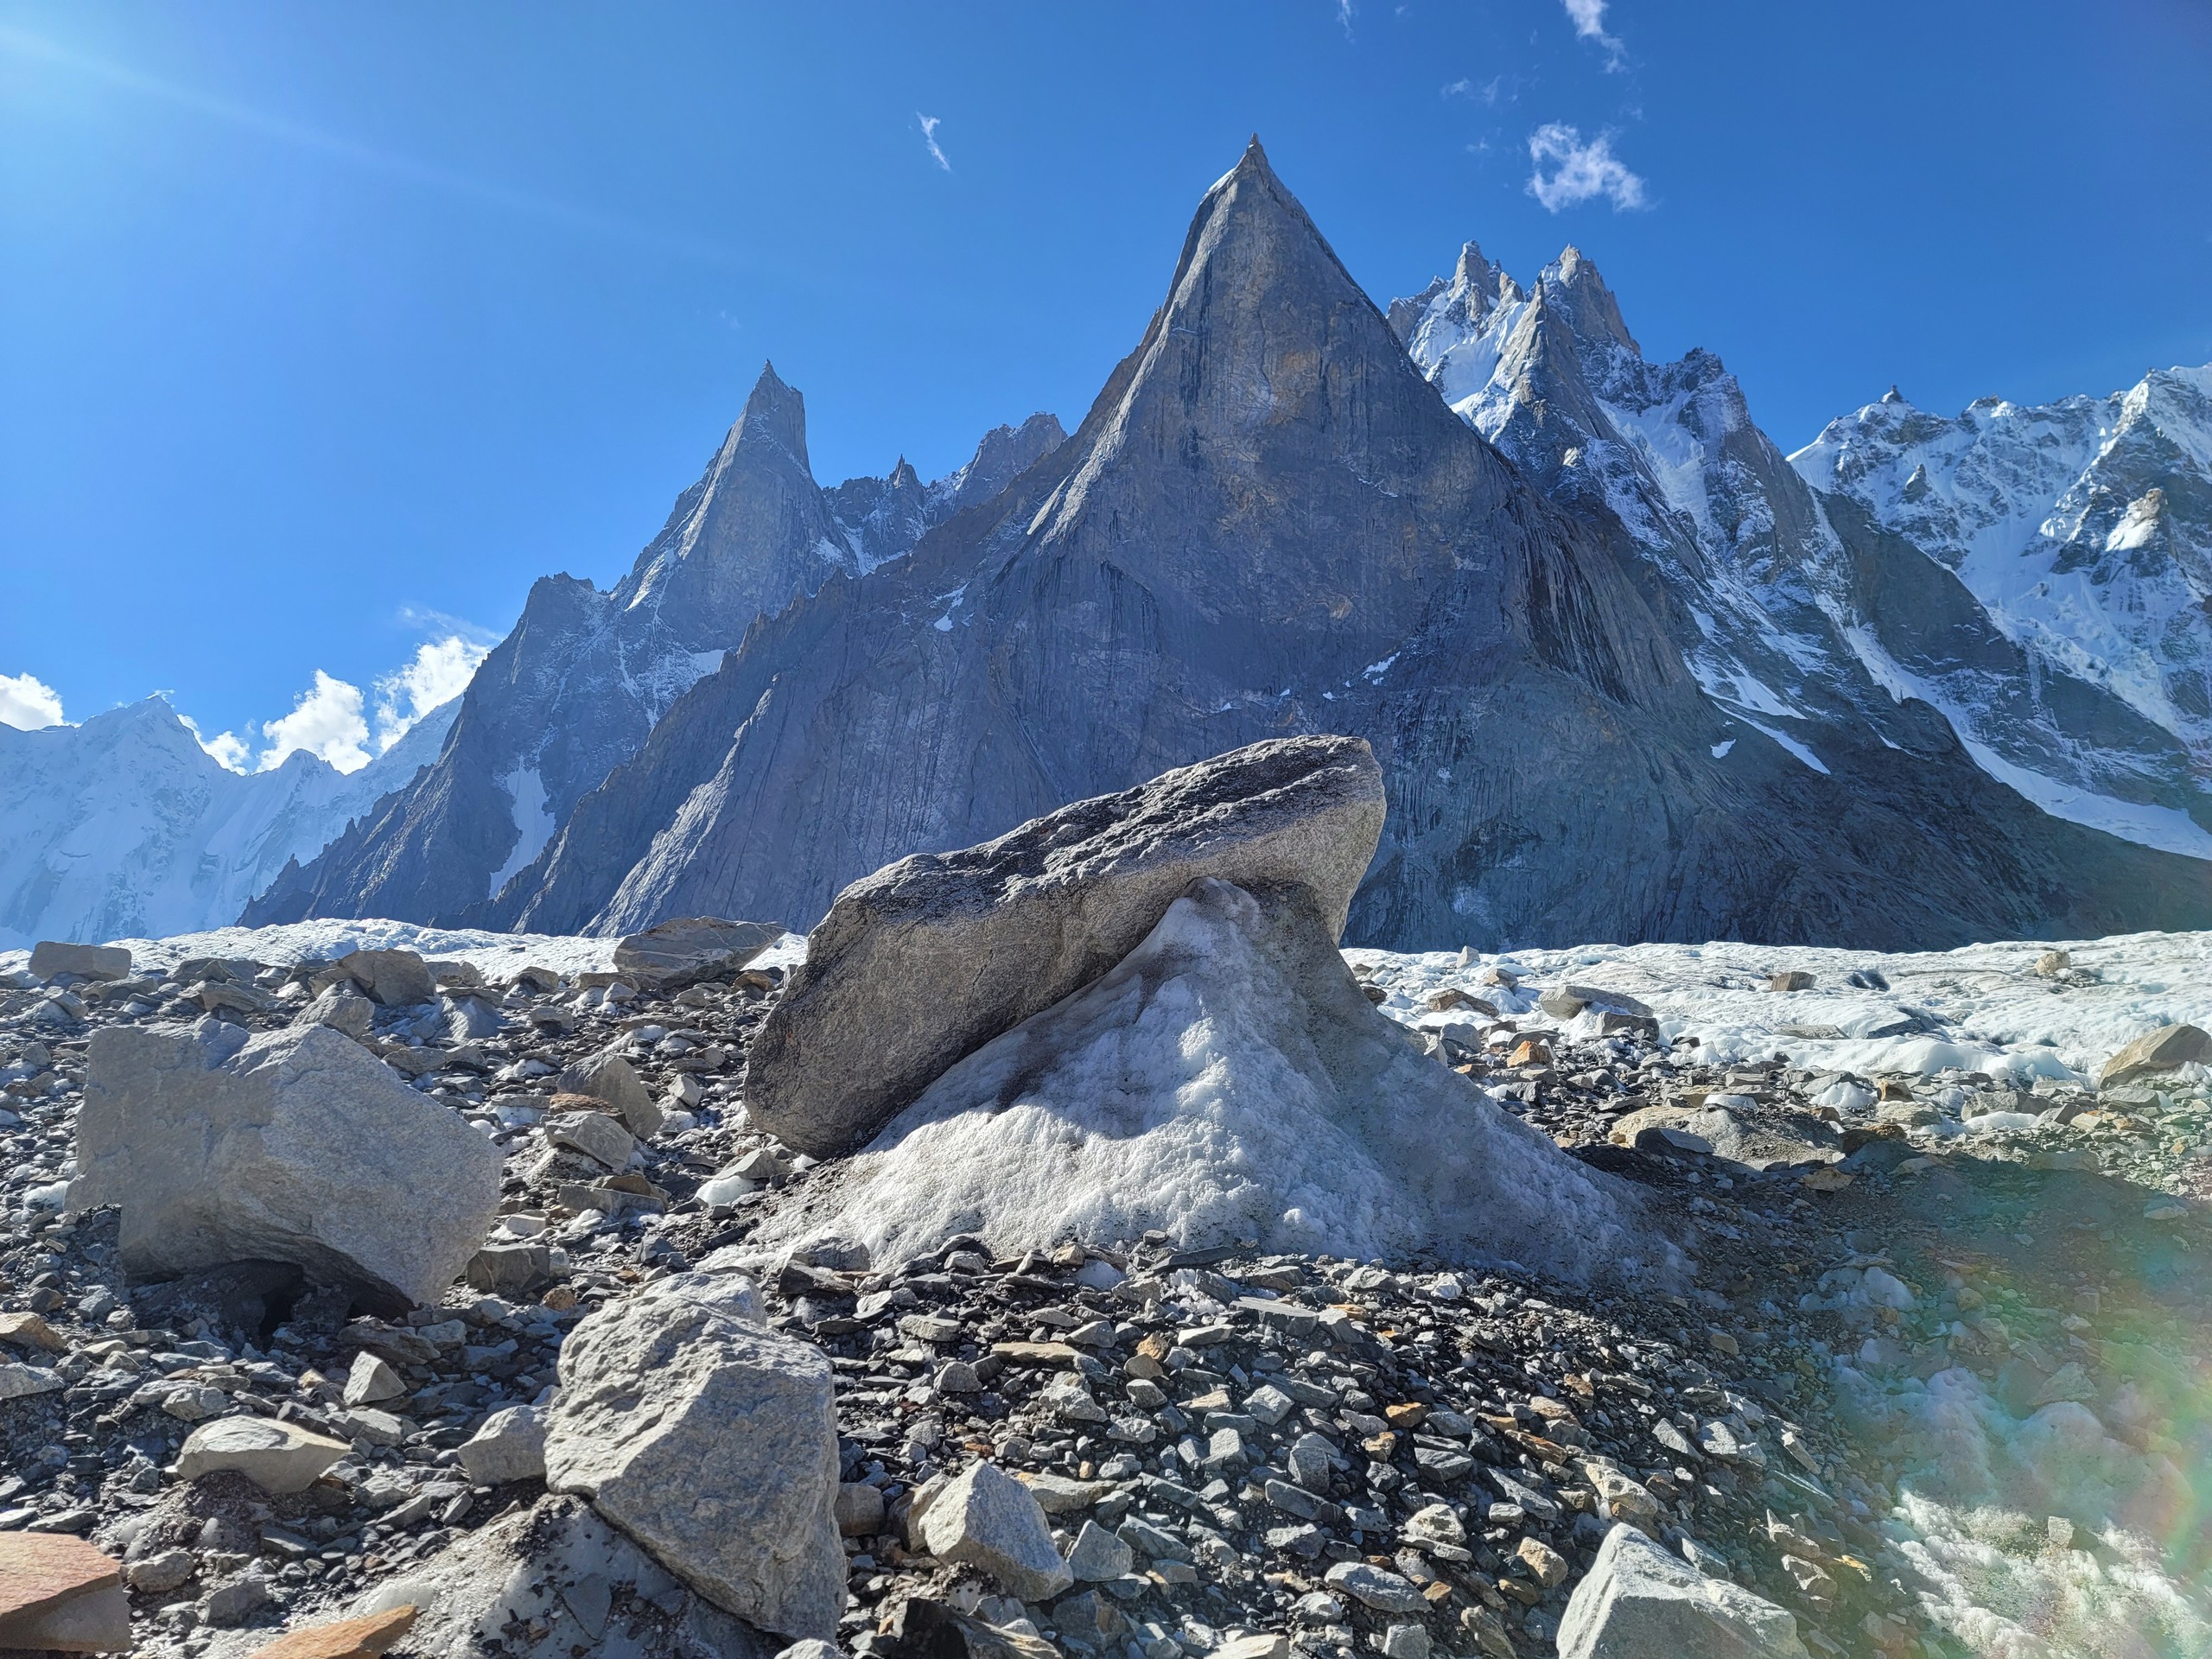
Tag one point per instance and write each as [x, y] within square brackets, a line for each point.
[372, 1380]
[860, 1510]
[1792, 979]
[986, 1519]
[1373, 1587]
[1261, 1645]
[596, 1135]
[162, 1571]
[29, 1331]
[1099, 1556]
[1404, 1642]
[1058, 1495]
[1546, 1564]
[280, 1457]
[1434, 1524]
[509, 1445]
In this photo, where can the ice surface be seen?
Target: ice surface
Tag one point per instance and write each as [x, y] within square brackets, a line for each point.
[327, 940]
[1990, 1012]
[1228, 1081]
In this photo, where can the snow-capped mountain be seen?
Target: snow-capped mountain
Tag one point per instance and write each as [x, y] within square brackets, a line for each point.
[1808, 609]
[125, 827]
[572, 691]
[1270, 522]
[2083, 526]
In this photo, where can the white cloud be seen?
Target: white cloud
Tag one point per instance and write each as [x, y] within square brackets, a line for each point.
[27, 704]
[1580, 172]
[1588, 17]
[930, 124]
[439, 673]
[327, 721]
[1344, 15]
[231, 751]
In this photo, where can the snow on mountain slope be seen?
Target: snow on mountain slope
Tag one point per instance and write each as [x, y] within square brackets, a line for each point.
[1807, 609]
[2084, 526]
[125, 825]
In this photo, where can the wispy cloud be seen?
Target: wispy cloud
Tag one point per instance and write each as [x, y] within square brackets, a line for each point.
[1580, 172]
[1497, 89]
[1343, 16]
[27, 703]
[299, 135]
[1588, 17]
[930, 124]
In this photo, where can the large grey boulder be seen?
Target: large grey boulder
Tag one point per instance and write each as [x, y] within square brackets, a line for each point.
[2167, 1049]
[397, 979]
[692, 948]
[1638, 1601]
[341, 1010]
[298, 1146]
[1228, 1080]
[924, 962]
[53, 956]
[712, 1442]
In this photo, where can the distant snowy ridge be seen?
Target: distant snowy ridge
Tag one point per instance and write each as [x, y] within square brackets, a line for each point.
[2084, 526]
[1820, 592]
[125, 826]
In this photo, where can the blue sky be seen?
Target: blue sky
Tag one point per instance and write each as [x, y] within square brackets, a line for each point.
[324, 330]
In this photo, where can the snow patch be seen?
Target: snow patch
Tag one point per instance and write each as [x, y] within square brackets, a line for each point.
[534, 823]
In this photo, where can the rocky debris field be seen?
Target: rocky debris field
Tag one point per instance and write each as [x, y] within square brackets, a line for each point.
[1920, 1389]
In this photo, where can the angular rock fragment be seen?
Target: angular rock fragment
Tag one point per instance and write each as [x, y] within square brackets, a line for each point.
[397, 979]
[510, 1446]
[1020, 922]
[692, 948]
[60, 1594]
[53, 956]
[985, 1518]
[341, 1010]
[346, 1638]
[712, 1442]
[298, 1146]
[1637, 1600]
[278, 1457]
[611, 1078]
[1226, 1080]
[2167, 1049]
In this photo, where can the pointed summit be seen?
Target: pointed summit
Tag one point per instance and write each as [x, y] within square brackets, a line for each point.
[773, 412]
[1571, 282]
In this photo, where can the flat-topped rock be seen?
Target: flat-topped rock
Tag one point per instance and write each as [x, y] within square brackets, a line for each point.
[692, 948]
[53, 956]
[931, 958]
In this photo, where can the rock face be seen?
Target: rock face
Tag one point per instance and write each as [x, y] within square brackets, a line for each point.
[712, 1442]
[1270, 522]
[1813, 610]
[53, 956]
[298, 1146]
[575, 688]
[693, 948]
[1638, 1601]
[1229, 1079]
[1019, 923]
